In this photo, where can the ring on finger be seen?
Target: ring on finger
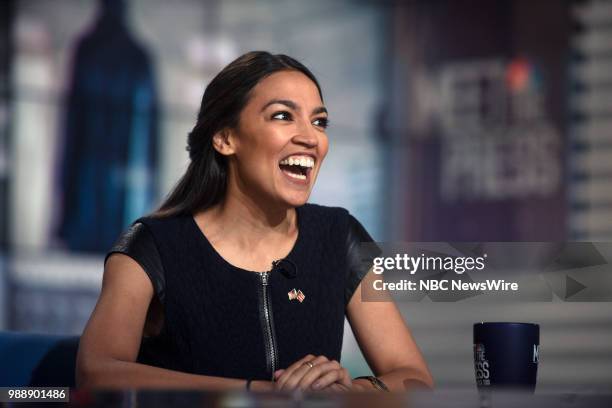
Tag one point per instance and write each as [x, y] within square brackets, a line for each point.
[309, 364]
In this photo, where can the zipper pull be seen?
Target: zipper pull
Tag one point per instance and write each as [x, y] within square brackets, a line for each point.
[264, 278]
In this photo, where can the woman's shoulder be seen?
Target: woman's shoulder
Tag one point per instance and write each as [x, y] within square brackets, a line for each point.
[338, 219]
[140, 243]
[153, 231]
[332, 221]
[164, 226]
[159, 220]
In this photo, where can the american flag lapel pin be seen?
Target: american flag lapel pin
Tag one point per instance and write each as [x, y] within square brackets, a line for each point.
[301, 296]
[292, 294]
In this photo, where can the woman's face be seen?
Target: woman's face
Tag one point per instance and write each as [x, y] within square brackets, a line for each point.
[280, 141]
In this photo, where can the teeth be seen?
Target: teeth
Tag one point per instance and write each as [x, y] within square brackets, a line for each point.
[303, 161]
[297, 176]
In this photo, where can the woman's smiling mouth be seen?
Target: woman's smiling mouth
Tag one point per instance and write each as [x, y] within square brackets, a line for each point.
[297, 168]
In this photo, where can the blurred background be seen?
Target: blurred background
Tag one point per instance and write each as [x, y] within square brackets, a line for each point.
[457, 120]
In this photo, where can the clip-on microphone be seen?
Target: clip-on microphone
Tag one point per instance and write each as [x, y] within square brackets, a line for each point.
[286, 266]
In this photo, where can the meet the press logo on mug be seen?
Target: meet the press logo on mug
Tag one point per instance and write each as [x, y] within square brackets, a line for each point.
[481, 365]
[536, 354]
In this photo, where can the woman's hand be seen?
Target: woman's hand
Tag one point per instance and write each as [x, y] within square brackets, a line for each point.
[313, 372]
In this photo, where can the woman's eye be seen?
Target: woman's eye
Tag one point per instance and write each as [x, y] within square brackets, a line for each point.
[321, 122]
[282, 116]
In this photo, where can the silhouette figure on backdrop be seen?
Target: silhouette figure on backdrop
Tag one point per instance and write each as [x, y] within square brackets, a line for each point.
[109, 157]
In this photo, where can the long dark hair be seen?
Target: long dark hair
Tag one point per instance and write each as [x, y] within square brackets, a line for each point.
[205, 182]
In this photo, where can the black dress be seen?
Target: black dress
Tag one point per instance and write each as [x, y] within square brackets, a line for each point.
[225, 321]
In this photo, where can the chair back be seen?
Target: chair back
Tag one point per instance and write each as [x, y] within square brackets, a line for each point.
[37, 360]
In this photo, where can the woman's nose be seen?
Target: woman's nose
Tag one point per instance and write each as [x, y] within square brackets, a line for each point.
[306, 135]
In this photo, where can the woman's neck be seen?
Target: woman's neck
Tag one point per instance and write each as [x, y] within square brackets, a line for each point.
[247, 224]
[250, 216]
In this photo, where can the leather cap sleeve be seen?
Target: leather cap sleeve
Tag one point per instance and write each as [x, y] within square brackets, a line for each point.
[138, 243]
[358, 258]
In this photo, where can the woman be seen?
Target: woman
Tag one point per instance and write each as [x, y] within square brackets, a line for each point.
[235, 281]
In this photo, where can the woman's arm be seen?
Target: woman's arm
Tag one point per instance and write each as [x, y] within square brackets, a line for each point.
[111, 340]
[386, 342]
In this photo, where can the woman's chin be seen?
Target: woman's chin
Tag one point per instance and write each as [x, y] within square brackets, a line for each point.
[295, 199]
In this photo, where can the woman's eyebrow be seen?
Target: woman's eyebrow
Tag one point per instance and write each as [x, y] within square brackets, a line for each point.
[292, 105]
[286, 102]
[320, 109]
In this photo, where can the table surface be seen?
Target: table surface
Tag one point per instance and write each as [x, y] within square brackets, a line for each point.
[455, 399]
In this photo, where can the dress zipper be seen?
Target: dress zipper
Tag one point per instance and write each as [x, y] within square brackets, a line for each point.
[268, 323]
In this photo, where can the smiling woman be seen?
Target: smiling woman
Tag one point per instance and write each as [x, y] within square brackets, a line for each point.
[236, 281]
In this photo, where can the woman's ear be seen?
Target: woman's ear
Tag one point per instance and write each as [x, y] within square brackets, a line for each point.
[223, 142]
